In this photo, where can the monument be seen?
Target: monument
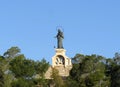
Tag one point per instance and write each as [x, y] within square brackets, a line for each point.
[59, 37]
[60, 61]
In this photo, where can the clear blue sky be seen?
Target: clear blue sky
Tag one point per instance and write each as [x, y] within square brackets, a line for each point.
[90, 26]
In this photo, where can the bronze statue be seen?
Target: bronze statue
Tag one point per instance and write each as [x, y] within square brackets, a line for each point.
[59, 37]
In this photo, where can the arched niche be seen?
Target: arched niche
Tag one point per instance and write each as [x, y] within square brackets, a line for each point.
[60, 60]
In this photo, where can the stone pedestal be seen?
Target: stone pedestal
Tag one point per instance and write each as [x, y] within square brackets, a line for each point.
[60, 59]
[61, 62]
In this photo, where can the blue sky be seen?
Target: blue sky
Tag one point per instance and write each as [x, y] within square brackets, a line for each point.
[90, 26]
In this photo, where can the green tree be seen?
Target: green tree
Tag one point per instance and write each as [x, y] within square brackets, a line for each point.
[56, 79]
[89, 71]
[12, 52]
[8, 56]
[4, 66]
[41, 67]
[78, 58]
[117, 58]
[115, 76]
[21, 82]
[115, 71]
[1, 78]
[22, 67]
[71, 82]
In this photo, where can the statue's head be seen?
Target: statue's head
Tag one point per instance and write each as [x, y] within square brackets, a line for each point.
[59, 30]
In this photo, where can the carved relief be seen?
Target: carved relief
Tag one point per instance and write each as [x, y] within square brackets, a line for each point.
[60, 60]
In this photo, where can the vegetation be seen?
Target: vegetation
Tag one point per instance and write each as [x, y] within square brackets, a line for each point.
[88, 71]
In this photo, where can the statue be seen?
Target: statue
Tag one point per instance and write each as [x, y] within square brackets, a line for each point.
[59, 37]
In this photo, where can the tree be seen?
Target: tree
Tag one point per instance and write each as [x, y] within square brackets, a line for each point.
[22, 67]
[56, 79]
[78, 58]
[117, 58]
[17, 71]
[12, 52]
[21, 82]
[70, 82]
[114, 71]
[115, 76]
[1, 78]
[5, 72]
[90, 71]
[7, 57]
[41, 67]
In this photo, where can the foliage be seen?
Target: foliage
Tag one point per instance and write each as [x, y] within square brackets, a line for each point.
[78, 58]
[41, 82]
[115, 76]
[8, 78]
[21, 82]
[41, 67]
[71, 83]
[56, 79]
[113, 70]
[12, 52]
[1, 78]
[22, 67]
[88, 71]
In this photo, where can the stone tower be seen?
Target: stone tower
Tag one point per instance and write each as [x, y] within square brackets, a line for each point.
[61, 62]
